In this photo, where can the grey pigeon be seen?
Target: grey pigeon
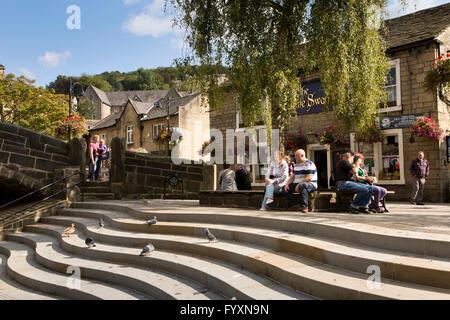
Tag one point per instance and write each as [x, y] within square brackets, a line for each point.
[147, 249]
[90, 242]
[152, 221]
[209, 235]
[101, 223]
[146, 201]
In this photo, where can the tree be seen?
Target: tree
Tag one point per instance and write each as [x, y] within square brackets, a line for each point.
[23, 104]
[85, 109]
[265, 43]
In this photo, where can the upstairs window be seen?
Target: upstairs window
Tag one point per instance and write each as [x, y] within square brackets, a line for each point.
[129, 134]
[392, 86]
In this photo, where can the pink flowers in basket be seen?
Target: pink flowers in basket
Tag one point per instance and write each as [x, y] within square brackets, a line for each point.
[427, 127]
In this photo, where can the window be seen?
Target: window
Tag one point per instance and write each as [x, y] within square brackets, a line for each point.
[384, 160]
[392, 86]
[103, 137]
[129, 134]
[156, 128]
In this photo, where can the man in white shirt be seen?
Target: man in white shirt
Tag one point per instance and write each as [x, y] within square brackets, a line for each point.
[303, 180]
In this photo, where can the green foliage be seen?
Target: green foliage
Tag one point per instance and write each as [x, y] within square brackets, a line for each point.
[85, 109]
[23, 104]
[265, 43]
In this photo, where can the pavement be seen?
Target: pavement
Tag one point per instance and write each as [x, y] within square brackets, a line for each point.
[432, 218]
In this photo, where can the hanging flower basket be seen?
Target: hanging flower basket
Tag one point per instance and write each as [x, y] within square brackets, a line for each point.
[73, 124]
[333, 136]
[427, 127]
[205, 145]
[372, 135]
[295, 141]
[440, 74]
[165, 135]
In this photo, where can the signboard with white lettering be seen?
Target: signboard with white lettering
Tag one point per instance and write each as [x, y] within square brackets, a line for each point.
[314, 100]
[395, 122]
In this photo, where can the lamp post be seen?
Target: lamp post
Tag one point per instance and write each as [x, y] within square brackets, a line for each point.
[168, 126]
[71, 94]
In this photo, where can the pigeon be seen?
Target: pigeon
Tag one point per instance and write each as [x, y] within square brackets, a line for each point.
[146, 201]
[147, 249]
[152, 221]
[69, 230]
[61, 206]
[210, 236]
[90, 242]
[101, 223]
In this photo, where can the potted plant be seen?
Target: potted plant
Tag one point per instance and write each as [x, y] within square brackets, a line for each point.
[428, 128]
[440, 74]
[73, 125]
[333, 136]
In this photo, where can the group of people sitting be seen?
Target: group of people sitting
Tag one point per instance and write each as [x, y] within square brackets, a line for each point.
[287, 178]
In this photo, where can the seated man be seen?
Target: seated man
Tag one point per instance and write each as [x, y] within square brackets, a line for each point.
[303, 181]
[276, 177]
[345, 181]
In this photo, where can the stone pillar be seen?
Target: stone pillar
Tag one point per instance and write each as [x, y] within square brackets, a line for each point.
[117, 169]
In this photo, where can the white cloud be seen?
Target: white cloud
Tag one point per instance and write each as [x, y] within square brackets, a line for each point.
[154, 21]
[130, 2]
[27, 73]
[53, 60]
[396, 9]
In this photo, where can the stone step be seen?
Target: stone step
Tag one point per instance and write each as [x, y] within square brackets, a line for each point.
[90, 190]
[155, 284]
[429, 271]
[418, 243]
[23, 268]
[99, 196]
[12, 290]
[298, 273]
[210, 273]
[96, 184]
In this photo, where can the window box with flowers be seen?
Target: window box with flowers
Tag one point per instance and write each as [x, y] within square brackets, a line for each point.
[73, 125]
[333, 136]
[439, 77]
[295, 141]
[428, 128]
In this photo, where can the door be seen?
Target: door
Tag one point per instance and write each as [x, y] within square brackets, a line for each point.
[320, 160]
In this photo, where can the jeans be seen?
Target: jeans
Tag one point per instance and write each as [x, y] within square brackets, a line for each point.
[304, 189]
[363, 193]
[94, 169]
[270, 190]
[378, 194]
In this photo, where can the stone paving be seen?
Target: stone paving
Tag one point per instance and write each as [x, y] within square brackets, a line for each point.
[433, 218]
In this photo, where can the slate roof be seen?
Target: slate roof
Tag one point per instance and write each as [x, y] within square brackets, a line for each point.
[418, 26]
[141, 107]
[160, 110]
[120, 98]
[107, 122]
[102, 95]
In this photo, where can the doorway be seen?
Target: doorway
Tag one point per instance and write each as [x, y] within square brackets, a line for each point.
[320, 160]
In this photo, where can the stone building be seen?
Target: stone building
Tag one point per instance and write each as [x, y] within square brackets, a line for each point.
[2, 71]
[415, 41]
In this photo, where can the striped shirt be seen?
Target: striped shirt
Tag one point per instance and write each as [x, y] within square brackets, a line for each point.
[302, 170]
[419, 169]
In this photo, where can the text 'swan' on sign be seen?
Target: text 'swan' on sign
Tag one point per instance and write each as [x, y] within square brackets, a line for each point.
[314, 99]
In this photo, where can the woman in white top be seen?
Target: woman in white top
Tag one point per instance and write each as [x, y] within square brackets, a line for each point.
[276, 177]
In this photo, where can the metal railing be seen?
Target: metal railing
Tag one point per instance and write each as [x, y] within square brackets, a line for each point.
[46, 198]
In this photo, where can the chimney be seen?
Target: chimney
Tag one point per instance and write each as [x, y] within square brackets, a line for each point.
[2, 71]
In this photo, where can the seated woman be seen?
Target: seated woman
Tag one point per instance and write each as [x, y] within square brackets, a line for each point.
[227, 178]
[276, 177]
[362, 177]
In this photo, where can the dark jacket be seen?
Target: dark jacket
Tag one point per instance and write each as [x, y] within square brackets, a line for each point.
[242, 180]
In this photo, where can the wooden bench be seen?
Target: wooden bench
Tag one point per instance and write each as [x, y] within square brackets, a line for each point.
[344, 198]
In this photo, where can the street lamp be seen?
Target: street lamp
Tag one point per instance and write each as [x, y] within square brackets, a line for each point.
[168, 126]
[71, 94]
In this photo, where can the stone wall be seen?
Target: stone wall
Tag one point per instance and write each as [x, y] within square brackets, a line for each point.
[29, 158]
[144, 174]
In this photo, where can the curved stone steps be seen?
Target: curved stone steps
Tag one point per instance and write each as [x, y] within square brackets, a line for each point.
[155, 284]
[429, 271]
[216, 275]
[12, 290]
[23, 268]
[299, 273]
[413, 242]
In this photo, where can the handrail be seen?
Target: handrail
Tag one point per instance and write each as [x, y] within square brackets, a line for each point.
[51, 196]
[37, 190]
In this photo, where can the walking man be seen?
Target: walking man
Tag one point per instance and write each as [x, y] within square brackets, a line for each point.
[303, 180]
[419, 170]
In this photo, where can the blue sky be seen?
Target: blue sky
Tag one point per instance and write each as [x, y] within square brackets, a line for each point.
[121, 35]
